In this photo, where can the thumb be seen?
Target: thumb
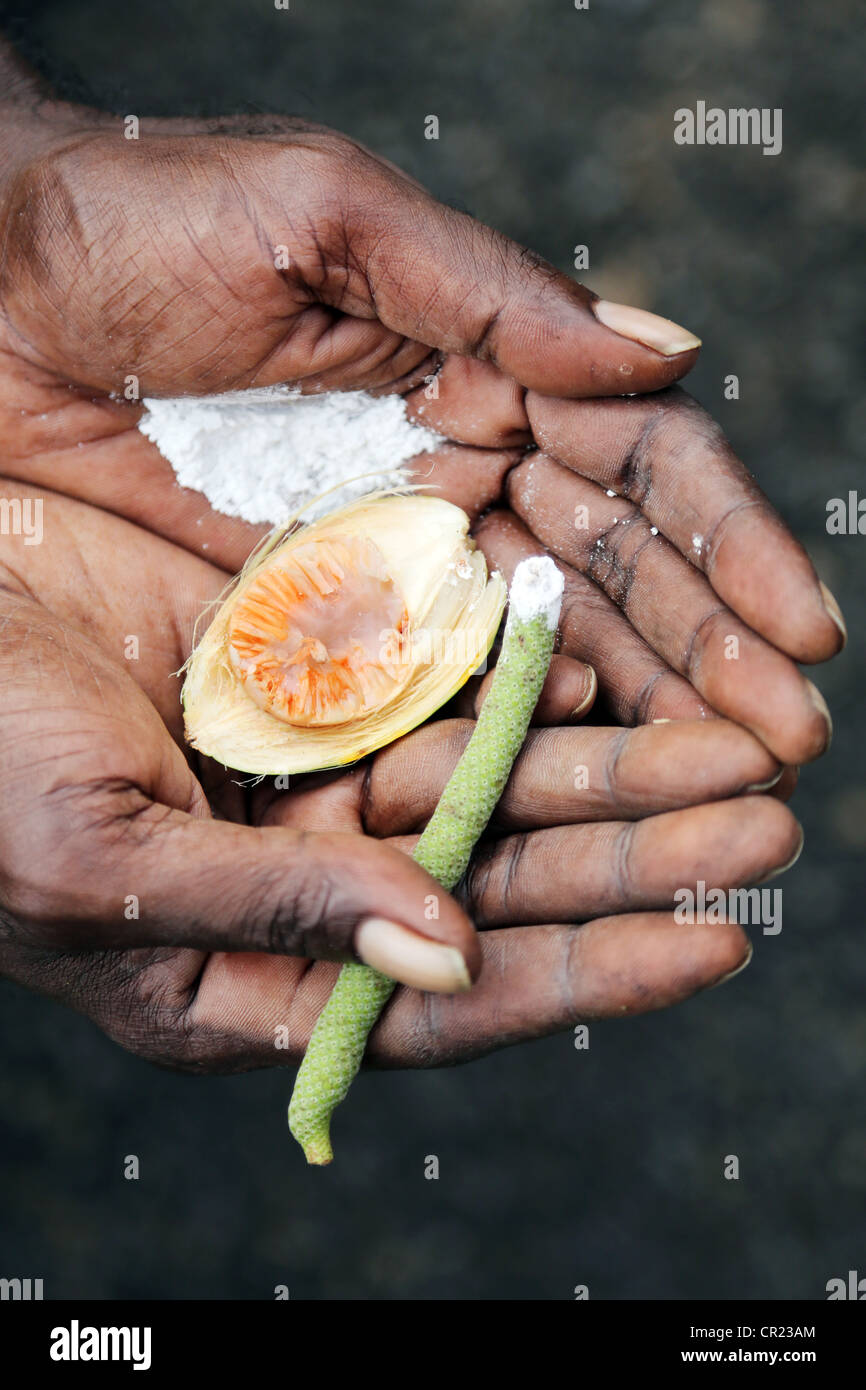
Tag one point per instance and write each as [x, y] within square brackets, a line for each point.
[107, 839]
[290, 892]
[438, 276]
[217, 886]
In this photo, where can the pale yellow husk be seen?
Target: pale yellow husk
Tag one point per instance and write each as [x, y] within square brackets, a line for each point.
[446, 589]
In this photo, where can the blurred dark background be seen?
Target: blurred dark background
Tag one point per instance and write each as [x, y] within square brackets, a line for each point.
[558, 1167]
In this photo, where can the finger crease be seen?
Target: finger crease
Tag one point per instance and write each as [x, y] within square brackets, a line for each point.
[716, 535]
[622, 865]
[691, 652]
[611, 762]
[636, 474]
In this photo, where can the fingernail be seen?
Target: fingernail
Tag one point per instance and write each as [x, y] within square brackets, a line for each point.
[412, 959]
[821, 706]
[736, 970]
[590, 689]
[834, 610]
[764, 786]
[643, 327]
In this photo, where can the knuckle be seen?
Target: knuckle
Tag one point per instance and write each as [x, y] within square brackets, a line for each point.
[314, 920]
[475, 891]
[617, 747]
[677, 423]
[327, 164]
[40, 212]
[58, 221]
[294, 911]
[57, 860]
[703, 640]
[643, 701]
[623, 863]
[452, 737]
[425, 1038]
[151, 1020]
[39, 867]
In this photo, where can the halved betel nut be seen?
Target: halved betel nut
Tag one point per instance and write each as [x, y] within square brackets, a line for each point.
[342, 636]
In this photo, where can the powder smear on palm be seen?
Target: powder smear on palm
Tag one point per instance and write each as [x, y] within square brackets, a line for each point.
[262, 454]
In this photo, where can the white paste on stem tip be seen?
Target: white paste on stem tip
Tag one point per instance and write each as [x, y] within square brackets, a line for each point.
[537, 589]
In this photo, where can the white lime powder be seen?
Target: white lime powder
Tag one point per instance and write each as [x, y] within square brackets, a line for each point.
[261, 454]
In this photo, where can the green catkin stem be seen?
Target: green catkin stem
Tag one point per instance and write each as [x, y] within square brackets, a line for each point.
[339, 1039]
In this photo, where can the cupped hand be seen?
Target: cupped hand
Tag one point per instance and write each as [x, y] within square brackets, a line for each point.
[207, 257]
[198, 921]
[203, 258]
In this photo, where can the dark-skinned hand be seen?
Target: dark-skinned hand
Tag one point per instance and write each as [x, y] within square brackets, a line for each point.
[209, 256]
[192, 918]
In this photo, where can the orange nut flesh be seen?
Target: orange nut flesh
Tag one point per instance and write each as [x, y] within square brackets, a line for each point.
[319, 637]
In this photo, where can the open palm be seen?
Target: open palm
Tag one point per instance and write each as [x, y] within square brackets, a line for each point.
[243, 897]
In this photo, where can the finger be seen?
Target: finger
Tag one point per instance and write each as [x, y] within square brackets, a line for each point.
[224, 1011]
[669, 458]
[217, 886]
[565, 776]
[439, 276]
[637, 685]
[469, 478]
[540, 980]
[107, 839]
[673, 607]
[568, 692]
[472, 402]
[341, 272]
[318, 801]
[534, 981]
[577, 872]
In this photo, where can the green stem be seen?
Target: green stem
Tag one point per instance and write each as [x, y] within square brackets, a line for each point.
[336, 1048]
